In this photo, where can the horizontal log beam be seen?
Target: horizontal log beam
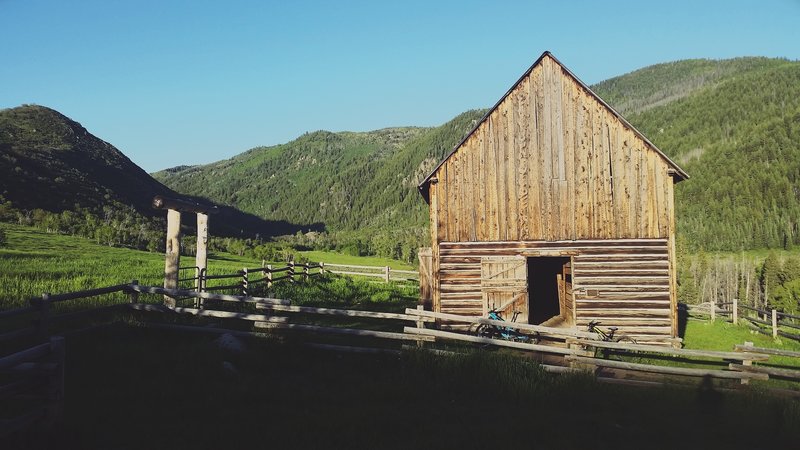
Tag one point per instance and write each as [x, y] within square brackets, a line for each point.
[665, 370]
[207, 295]
[489, 341]
[736, 356]
[772, 371]
[551, 331]
[342, 312]
[182, 205]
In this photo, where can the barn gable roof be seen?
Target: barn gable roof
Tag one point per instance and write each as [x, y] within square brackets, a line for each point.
[678, 173]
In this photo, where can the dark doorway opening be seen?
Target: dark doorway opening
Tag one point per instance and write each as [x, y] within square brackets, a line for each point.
[549, 289]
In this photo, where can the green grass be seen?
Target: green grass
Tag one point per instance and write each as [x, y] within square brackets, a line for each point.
[341, 258]
[34, 262]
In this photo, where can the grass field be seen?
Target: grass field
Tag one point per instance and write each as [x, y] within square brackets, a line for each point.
[340, 258]
[34, 262]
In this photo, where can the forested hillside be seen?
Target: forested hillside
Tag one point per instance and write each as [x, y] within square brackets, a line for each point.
[739, 139]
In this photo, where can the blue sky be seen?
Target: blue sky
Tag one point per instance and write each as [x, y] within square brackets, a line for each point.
[191, 82]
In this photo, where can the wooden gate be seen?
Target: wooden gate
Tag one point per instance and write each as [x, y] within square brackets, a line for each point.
[504, 286]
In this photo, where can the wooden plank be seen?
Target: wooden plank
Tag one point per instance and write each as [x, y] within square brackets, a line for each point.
[682, 352]
[550, 331]
[347, 331]
[534, 161]
[28, 354]
[767, 351]
[411, 331]
[666, 370]
[340, 312]
[205, 295]
[771, 371]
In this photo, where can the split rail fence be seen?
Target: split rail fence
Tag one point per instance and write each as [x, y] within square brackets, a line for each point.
[769, 322]
[568, 349]
[247, 279]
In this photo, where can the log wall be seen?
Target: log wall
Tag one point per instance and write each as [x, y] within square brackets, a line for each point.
[623, 283]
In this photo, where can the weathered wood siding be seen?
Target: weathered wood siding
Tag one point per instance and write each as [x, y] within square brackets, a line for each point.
[622, 283]
[551, 162]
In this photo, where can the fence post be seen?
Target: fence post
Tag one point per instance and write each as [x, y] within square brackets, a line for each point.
[321, 268]
[269, 276]
[244, 282]
[420, 323]
[774, 323]
[735, 311]
[747, 362]
[386, 273]
[713, 311]
[305, 272]
[291, 271]
[133, 296]
[44, 313]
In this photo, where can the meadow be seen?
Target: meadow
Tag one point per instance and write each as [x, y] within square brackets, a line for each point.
[34, 262]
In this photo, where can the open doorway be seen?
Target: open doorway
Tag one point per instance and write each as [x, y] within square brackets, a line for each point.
[549, 290]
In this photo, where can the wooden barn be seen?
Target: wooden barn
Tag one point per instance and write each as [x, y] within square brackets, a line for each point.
[556, 207]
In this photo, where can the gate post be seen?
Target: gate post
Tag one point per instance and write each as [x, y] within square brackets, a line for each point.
[173, 254]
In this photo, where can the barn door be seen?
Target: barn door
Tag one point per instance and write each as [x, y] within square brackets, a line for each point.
[504, 286]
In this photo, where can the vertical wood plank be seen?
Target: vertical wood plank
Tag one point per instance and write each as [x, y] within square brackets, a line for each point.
[512, 161]
[534, 161]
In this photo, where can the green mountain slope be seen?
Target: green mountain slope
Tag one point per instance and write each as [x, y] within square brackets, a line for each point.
[661, 84]
[345, 180]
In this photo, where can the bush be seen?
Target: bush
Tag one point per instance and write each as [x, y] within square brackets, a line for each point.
[2, 237]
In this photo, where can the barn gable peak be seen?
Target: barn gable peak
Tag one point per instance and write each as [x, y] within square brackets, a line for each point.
[677, 173]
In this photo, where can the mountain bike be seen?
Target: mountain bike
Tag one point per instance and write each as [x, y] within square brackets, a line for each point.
[507, 333]
[608, 336]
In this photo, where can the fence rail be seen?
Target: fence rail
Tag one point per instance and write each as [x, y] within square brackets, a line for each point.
[35, 373]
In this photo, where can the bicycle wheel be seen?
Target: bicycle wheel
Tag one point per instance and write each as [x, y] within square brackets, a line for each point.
[484, 330]
[625, 339]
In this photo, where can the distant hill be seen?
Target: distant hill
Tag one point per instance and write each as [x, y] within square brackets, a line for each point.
[52, 164]
[345, 180]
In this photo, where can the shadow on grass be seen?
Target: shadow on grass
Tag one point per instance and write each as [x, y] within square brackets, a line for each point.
[135, 388]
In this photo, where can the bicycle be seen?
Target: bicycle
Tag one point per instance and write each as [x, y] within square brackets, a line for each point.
[610, 336]
[506, 333]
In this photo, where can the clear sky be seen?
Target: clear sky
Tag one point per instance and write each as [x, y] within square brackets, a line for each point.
[194, 81]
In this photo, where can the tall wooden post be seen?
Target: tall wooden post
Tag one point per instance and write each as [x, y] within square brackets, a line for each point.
[713, 311]
[201, 258]
[735, 311]
[386, 274]
[269, 276]
[774, 323]
[173, 254]
[291, 271]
